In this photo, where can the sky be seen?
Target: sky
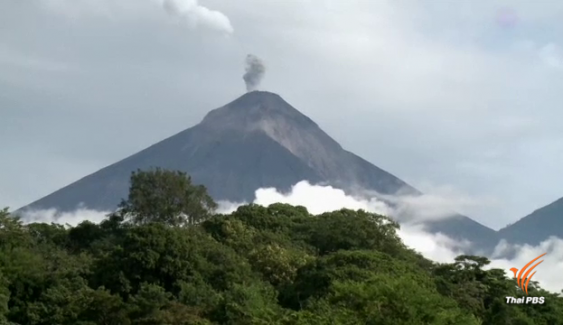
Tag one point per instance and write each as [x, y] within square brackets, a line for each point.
[459, 99]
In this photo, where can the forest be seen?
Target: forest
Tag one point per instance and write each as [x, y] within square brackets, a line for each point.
[166, 257]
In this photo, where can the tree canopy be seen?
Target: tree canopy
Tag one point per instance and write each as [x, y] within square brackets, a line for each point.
[167, 197]
[165, 258]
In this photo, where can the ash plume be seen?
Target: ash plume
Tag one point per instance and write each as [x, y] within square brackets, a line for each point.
[255, 70]
[195, 15]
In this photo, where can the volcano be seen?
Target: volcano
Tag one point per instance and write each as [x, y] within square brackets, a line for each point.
[536, 227]
[256, 141]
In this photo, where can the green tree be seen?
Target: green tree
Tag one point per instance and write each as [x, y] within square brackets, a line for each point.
[168, 197]
[49, 234]
[165, 259]
[391, 300]
[346, 229]
[165, 256]
[253, 304]
[4, 299]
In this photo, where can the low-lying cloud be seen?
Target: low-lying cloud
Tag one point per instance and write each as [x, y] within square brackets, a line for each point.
[318, 199]
[437, 203]
[64, 218]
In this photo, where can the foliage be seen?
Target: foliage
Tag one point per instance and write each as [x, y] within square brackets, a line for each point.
[166, 259]
[166, 197]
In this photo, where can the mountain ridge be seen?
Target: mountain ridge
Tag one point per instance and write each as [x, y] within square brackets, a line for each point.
[537, 226]
[258, 140]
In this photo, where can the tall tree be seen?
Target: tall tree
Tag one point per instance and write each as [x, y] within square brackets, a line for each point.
[167, 197]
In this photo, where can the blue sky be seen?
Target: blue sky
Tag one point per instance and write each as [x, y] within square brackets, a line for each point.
[436, 92]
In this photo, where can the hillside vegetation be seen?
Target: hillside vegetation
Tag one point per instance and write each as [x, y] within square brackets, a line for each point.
[165, 258]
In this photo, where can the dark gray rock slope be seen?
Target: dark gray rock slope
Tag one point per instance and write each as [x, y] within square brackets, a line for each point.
[258, 140]
[537, 226]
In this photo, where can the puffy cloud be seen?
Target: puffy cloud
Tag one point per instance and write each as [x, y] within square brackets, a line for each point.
[436, 203]
[437, 247]
[319, 199]
[66, 218]
[196, 14]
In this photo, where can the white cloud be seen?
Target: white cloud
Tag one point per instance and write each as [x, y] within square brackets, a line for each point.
[318, 199]
[437, 247]
[71, 218]
[440, 202]
[437, 202]
[186, 11]
[195, 14]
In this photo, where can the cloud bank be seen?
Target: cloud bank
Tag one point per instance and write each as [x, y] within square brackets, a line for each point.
[320, 199]
[66, 218]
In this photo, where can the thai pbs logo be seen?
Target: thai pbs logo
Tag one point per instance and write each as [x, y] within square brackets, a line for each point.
[520, 278]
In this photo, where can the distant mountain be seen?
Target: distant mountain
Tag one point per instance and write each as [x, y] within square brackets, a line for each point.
[537, 226]
[256, 141]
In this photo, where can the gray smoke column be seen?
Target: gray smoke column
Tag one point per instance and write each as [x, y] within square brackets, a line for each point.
[195, 15]
[255, 70]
